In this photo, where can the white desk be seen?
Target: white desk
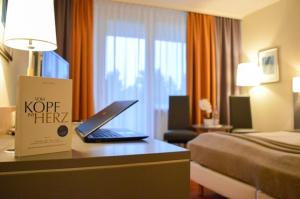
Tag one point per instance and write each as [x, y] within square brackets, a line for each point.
[144, 169]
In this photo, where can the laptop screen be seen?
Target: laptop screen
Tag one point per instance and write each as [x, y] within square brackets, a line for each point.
[103, 116]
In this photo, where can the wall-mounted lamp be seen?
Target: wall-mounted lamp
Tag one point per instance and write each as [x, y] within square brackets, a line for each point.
[248, 74]
[296, 84]
[30, 25]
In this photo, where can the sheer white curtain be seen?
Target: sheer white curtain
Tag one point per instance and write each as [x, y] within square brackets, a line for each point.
[140, 53]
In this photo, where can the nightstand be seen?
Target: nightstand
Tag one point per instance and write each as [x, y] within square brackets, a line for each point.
[203, 129]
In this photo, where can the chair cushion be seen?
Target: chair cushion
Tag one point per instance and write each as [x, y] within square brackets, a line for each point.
[179, 136]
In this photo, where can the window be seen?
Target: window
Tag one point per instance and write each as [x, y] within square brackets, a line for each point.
[139, 54]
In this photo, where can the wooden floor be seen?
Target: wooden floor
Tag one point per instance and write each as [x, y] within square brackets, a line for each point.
[195, 193]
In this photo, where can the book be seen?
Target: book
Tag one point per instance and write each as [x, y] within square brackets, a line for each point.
[44, 115]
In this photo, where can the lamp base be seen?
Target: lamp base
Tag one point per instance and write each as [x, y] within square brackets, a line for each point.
[34, 64]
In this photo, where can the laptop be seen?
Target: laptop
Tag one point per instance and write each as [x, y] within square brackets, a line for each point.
[91, 131]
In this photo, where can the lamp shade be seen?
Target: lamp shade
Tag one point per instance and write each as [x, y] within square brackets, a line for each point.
[248, 74]
[296, 84]
[30, 25]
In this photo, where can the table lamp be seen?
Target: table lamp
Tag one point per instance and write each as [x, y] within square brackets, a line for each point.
[30, 25]
[248, 74]
[296, 101]
[296, 84]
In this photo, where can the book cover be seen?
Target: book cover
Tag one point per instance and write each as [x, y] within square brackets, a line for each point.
[44, 115]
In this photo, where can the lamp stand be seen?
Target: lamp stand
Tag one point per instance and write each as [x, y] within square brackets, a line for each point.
[34, 64]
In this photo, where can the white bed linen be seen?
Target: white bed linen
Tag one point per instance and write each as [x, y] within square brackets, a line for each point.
[287, 137]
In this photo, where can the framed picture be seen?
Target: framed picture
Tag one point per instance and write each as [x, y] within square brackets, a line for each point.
[268, 61]
[5, 52]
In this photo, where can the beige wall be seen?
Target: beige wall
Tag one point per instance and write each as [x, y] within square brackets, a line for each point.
[275, 26]
[8, 77]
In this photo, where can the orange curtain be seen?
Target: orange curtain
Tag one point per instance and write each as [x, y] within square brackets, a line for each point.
[82, 59]
[201, 62]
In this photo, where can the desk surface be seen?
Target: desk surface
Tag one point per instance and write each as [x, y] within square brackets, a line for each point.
[90, 170]
[90, 154]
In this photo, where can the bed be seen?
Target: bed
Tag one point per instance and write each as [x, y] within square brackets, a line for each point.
[256, 165]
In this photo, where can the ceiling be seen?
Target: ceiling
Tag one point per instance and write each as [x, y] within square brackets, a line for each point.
[227, 8]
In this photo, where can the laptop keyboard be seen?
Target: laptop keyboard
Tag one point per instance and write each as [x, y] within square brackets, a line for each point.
[105, 133]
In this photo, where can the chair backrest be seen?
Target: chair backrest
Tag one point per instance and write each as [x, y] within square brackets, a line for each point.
[179, 112]
[240, 112]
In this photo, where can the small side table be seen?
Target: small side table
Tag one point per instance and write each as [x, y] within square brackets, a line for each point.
[202, 129]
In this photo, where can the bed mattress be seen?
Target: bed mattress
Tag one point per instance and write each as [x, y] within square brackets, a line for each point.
[268, 161]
